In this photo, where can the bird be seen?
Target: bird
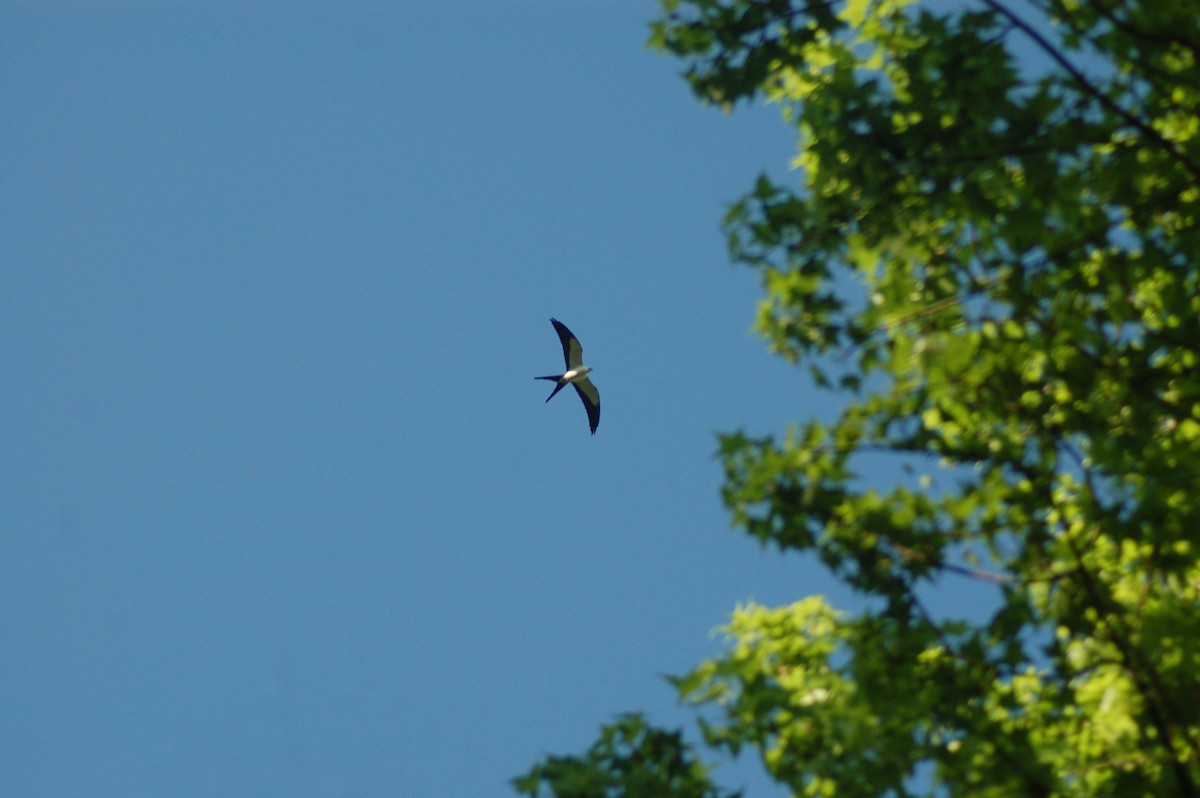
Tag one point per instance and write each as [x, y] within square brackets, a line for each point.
[576, 374]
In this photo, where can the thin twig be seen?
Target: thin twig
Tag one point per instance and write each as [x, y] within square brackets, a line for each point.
[1108, 102]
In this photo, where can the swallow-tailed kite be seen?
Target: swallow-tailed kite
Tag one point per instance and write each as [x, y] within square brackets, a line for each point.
[576, 374]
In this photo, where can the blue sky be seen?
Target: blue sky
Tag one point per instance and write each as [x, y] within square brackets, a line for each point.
[284, 511]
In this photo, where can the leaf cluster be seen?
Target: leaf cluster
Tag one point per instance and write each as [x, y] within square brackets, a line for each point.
[993, 260]
[631, 758]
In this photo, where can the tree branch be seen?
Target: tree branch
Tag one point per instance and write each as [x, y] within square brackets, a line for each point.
[1090, 89]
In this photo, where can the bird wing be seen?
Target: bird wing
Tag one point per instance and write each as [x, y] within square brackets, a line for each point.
[591, 400]
[572, 351]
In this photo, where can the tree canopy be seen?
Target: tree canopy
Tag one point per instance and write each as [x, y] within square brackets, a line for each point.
[989, 251]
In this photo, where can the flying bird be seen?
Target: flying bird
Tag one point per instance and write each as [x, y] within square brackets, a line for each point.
[576, 374]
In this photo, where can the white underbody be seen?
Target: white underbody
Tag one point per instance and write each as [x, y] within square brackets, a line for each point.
[577, 374]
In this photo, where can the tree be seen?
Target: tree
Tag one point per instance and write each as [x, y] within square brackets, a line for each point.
[993, 260]
[632, 759]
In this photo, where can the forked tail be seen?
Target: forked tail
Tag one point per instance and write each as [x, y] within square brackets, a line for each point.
[557, 388]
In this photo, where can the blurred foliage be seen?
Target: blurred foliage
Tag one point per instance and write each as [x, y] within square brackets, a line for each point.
[631, 758]
[993, 260]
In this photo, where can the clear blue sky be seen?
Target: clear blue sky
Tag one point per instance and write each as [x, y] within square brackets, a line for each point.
[283, 511]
